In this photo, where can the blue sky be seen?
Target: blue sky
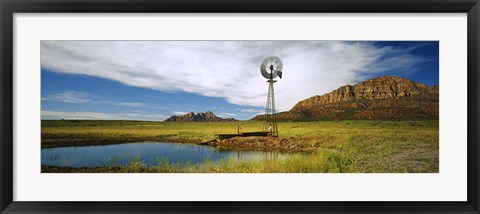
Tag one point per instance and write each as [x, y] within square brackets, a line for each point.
[152, 80]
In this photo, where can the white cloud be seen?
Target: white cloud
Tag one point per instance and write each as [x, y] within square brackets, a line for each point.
[128, 104]
[179, 113]
[227, 114]
[227, 69]
[253, 110]
[83, 97]
[54, 115]
[69, 97]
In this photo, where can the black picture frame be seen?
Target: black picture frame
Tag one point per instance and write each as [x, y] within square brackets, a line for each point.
[9, 7]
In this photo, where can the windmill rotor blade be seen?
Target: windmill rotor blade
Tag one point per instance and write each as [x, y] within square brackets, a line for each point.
[265, 69]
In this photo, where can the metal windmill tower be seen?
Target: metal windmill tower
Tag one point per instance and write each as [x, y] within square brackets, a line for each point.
[271, 68]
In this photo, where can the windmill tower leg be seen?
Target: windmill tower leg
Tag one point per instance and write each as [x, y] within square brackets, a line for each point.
[270, 125]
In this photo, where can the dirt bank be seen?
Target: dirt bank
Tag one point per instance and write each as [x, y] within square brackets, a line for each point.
[267, 144]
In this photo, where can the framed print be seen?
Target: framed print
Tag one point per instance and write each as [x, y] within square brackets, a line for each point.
[262, 107]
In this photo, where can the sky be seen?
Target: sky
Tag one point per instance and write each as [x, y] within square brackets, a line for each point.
[152, 80]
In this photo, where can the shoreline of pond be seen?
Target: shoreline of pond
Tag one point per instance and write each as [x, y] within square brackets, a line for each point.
[277, 144]
[105, 142]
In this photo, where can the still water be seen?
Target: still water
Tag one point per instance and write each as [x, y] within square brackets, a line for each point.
[149, 153]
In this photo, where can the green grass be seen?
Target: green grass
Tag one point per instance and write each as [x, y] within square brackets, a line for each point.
[84, 131]
[340, 146]
[78, 133]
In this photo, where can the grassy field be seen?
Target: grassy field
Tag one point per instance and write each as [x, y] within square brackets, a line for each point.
[339, 146]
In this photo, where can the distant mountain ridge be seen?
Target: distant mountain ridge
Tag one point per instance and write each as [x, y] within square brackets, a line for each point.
[386, 97]
[198, 117]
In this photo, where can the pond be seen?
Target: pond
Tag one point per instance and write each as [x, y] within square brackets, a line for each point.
[148, 152]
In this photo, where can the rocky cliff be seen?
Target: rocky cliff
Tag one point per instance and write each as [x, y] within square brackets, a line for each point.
[386, 97]
[198, 117]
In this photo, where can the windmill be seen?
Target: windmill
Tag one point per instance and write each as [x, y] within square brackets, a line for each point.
[271, 68]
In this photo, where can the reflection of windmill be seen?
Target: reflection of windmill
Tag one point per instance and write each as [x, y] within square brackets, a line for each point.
[271, 68]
